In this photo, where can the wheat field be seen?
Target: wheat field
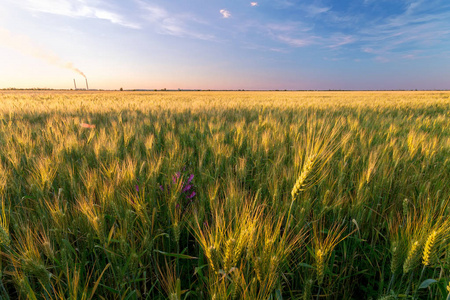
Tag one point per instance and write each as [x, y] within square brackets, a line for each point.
[224, 195]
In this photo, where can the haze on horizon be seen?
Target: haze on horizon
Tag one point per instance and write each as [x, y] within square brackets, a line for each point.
[270, 44]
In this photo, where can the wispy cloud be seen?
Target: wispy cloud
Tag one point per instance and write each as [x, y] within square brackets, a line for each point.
[381, 59]
[264, 48]
[309, 39]
[416, 28]
[296, 42]
[339, 40]
[294, 34]
[253, 3]
[283, 4]
[314, 10]
[77, 9]
[286, 27]
[225, 13]
[299, 34]
[172, 24]
[291, 33]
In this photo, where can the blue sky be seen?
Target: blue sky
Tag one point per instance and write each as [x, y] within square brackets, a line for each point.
[234, 44]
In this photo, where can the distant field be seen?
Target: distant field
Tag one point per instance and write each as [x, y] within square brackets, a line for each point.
[224, 195]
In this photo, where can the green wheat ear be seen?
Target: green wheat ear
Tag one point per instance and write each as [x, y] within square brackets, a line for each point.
[411, 259]
[307, 289]
[320, 265]
[396, 261]
[5, 240]
[229, 254]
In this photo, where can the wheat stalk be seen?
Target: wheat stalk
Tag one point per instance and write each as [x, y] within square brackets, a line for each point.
[307, 289]
[230, 245]
[240, 244]
[258, 268]
[213, 258]
[411, 259]
[427, 251]
[5, 239]
[320, 265]
[324, 246]
[307, 168]
[395, 262]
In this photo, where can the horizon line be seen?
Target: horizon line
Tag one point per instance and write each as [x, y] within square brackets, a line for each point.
[223, 90]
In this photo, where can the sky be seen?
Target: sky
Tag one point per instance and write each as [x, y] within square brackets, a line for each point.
[234, 44]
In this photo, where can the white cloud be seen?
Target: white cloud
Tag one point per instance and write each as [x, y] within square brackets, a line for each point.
[294, 34]
[282, 4]
[171, 24]
[296, 42]
[314, 10]
[409, 56]
[382, 59]
[290, 27]
[415, 28]
[225, 13]
[77, 9]
[291, 33]
[340, 40]
[254, 3]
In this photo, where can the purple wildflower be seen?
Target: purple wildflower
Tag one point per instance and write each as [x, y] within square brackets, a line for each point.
[161, 187]
[176, 177]
[186, 188]
[137, 188]
[190, 178]
[192, 195]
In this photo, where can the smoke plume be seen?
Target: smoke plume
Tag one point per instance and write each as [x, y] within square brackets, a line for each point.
[26, 46]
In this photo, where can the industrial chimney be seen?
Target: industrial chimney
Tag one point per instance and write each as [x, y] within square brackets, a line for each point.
[74, 83]
[87, 86]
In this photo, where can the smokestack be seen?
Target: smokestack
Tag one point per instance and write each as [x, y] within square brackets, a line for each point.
[87, 86]
[74, 83]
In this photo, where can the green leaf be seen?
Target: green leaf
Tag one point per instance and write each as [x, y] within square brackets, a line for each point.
[199, 269]
[278, 295]
[132, 295]
[442, 288]
[194, 294]
[182, 256]
[427, 283]
[109, 288]
[69, 246]
[305, 265]
[98, 281]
